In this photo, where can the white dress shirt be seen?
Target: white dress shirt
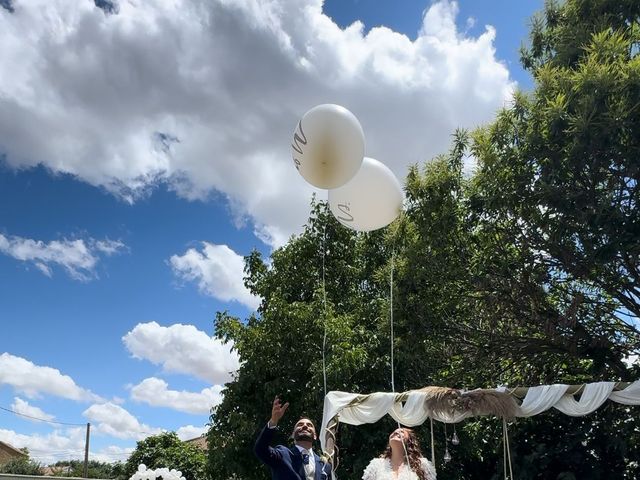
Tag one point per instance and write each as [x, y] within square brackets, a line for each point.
[310, 468]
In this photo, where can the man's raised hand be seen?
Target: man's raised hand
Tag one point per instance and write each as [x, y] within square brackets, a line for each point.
[277, 411]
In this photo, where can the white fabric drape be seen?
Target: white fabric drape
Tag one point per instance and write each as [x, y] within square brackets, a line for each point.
[409, 408]
[373, 409]
[594, 395]
[628, 396]
[540, 399]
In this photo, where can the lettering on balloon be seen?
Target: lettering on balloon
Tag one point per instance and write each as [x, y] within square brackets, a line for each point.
[299, 139]
[344, 208]
[298, 142]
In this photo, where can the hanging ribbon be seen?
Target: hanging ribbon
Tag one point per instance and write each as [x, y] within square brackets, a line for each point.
[507, 451]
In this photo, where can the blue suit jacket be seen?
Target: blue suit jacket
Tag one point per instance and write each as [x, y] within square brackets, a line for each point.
[286, 463]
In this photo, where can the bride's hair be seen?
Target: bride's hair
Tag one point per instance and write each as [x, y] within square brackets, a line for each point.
[414, 453]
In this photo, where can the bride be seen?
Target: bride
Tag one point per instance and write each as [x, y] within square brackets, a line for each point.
[392, 464]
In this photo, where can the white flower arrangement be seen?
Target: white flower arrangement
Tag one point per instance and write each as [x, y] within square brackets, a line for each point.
[144, 474]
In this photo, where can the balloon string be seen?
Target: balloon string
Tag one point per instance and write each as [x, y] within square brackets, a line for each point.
[406, 451]
[324, 303]
[393, 386]
[433, 448]
[507, 450]
[504, 451]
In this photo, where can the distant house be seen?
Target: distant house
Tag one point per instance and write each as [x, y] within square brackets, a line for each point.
[200, 442]
[56, 470]
[9, 452]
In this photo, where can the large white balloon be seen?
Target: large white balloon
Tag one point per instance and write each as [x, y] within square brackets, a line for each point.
[328, 146]
[370, 200]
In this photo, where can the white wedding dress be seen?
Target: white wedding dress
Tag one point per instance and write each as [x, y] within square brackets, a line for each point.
[380, 469]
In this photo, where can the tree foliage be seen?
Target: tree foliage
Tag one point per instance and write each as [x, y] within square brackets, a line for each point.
[21, 466]
[525, 272]
[281, 347]
[95, 469]
[166, 450]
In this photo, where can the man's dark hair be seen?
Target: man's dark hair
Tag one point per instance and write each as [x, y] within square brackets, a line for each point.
[300, 418]
[305, 417]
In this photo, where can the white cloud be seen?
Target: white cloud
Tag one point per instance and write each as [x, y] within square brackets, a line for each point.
[189, 431]
[24, 408]
[62, 445]
[109, 247]
[114, 421]
[470, 23]
[33, 380]
[78, 257]
[58, 445]
[218, 271]
[154, 391]
[630, 360]
[204, 94]
[183, 349]
[112, 453]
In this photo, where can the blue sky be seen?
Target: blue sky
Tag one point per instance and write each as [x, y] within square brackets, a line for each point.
[117, 248]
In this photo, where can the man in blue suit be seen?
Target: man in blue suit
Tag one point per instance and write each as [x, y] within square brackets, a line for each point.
[299, 462]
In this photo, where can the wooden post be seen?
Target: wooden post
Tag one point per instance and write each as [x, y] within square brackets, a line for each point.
[86, 453]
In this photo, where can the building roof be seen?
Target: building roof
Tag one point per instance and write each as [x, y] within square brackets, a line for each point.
[53, 470]
[11, 449]
[200, 441]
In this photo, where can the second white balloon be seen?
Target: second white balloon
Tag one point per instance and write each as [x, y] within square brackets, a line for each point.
[372, 199]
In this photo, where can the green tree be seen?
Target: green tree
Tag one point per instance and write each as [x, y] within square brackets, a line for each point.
[96, 469]
[564, 160]
[21, 466]
[475, 310]
[166, 450]
[281, 347]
